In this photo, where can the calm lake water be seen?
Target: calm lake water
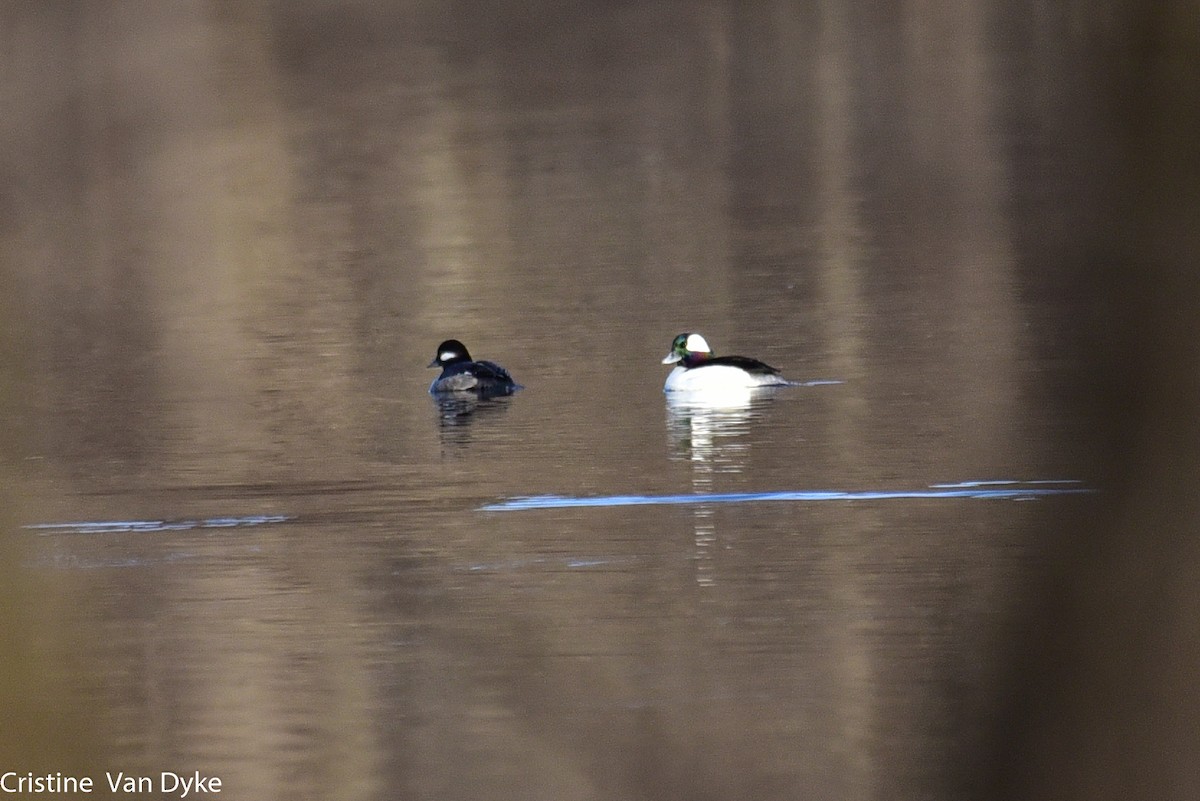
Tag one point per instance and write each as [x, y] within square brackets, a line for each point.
[235, 234]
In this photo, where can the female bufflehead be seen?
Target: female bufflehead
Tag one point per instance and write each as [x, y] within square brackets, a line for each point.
[698, 369]
[460, 374]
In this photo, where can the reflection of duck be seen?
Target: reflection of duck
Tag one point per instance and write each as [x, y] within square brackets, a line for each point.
[457, 408]
[461, 374]
[709, 428]
[697, 369]
[705, 427]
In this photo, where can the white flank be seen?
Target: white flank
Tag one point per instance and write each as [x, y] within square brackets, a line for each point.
[717, 377]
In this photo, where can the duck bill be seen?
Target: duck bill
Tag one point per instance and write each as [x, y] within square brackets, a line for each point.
[433, 363]
[671, 358]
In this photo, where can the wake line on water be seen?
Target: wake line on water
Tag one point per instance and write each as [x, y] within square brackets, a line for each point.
[149, 526]
[994, 489]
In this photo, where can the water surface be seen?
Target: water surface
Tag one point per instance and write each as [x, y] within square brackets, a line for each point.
[236, 235]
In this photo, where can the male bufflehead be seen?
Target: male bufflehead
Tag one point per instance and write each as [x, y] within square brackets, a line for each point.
[460, 374]
[698, 369]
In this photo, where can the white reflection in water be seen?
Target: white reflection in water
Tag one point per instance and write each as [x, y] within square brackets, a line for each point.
[708, 429]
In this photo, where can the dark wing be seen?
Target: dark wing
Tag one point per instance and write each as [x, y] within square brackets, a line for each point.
[490, 371]
[744, 363]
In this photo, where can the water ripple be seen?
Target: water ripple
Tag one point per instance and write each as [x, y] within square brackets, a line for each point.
[148, 526]
[1004, 489]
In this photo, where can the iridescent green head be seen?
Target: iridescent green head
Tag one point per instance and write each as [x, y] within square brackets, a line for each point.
[688, 347]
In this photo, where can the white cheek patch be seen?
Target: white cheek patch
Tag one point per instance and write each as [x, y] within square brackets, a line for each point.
[446, 355]
[696, 344]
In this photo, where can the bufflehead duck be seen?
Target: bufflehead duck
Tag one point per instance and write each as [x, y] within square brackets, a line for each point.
[696, 368]
[460, 374]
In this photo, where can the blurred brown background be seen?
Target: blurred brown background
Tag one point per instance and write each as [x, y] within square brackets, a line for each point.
[183, 181]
